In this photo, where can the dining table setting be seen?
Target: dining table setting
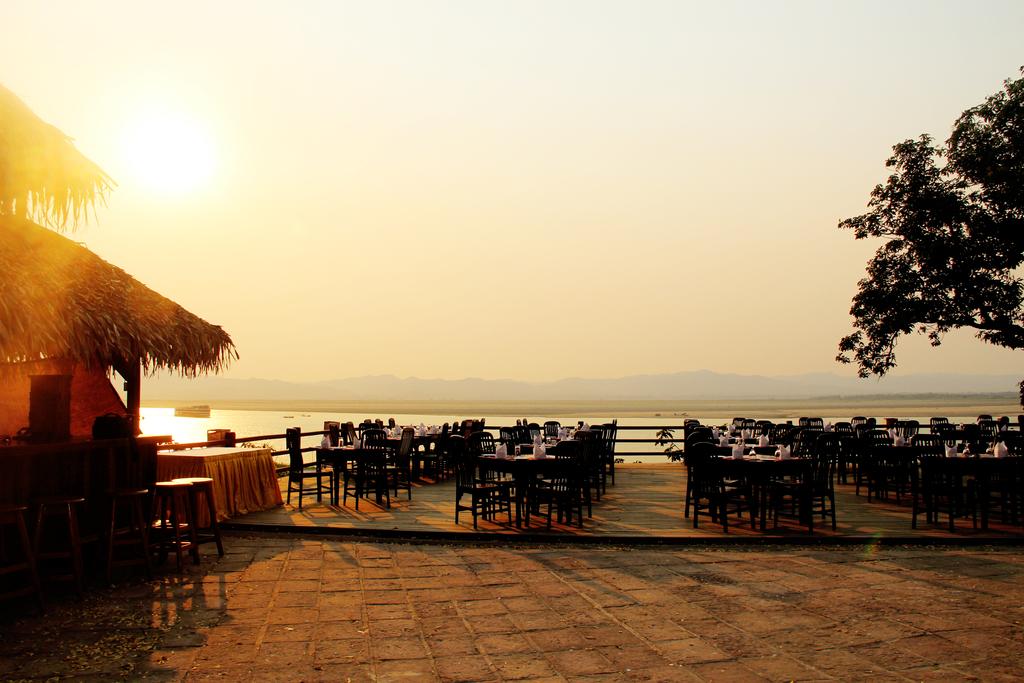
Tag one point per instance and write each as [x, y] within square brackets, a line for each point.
[760, 466]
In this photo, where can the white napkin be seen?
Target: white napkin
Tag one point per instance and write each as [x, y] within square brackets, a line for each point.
[899, 441]
[586, 427]
[540, 452]
[714, 432]
[1000, 450]
[501, 451]
[723, 440]
[737, 451]
[762, 440]
[538, 440]
[422, 431]
[784, 453]
[892, 434]
[951, 452]
[325, 442]
[357, 442]
[828, 426]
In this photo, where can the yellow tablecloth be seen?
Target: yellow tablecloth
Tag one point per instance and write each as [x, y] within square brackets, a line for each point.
[244, 479]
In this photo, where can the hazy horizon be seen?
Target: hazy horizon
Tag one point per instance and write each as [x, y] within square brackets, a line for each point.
[523, 190]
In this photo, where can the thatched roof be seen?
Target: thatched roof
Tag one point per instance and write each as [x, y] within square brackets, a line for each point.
[58, 299]
[42, 175]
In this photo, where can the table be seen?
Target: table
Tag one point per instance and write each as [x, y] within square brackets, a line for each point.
[524, 470]
[244, 479]
[760, 470]
[339, 457]
[424, 442]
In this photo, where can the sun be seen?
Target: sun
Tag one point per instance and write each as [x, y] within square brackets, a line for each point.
[169, 153]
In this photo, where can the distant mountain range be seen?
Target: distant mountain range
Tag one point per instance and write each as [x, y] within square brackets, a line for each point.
[694, 385]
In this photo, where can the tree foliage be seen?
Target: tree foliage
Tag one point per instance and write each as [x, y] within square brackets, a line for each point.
[951, 218]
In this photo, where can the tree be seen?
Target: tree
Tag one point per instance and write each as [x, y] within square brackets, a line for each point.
[952, 221]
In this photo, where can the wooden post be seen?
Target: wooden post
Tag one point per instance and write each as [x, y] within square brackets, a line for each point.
[133, 378]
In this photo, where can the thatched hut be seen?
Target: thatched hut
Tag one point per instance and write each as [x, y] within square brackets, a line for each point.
[66, 314]
[58, 300]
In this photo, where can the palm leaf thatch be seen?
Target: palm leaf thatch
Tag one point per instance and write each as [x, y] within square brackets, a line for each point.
[42, 175]
[60, 300]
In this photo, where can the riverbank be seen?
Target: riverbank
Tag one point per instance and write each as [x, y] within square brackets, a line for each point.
[908, 406]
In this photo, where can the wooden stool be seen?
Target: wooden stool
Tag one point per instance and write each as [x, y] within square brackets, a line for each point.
[13, 517]
[203, 486]
[171, 509]
[64, 506]
[133, 535]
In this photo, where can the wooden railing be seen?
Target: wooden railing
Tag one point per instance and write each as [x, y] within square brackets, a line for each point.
[677, 429]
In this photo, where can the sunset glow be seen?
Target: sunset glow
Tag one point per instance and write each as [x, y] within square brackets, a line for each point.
[643, 188]
[168, 153]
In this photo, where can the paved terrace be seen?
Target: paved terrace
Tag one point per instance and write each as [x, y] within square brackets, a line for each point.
[314, 609]
[645, 504]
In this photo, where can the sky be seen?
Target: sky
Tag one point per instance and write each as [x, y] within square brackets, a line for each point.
[527, 190]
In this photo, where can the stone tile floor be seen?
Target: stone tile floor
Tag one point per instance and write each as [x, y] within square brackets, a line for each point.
[302, 609]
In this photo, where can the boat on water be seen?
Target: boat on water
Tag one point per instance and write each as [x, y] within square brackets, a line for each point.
[192, 411]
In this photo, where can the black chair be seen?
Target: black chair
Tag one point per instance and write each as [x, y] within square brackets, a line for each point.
[805, 442]
[929, 444]
[481, 443]
[782, 434]
[535, 431]
[970, 435]
[908, 429]
[333, 430]
[595, 459]
[348, 434]
[445, 464]
[988, 430]
[828, 450]
[937, 486]
[300, 471]
[763, 427]
[689, 426]
[847, 456]
[937, 421]
[486, 498]
[566, 489]
[591, 459]
[946, 431]
[1000, 489]
[611, 434]
[433, 458]
[509, 436]
[551, 428]
[813, 486]
[700, 435]
[400, 469]
[369, 472]
[875, 462]
[843, 428]
[712, 491]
